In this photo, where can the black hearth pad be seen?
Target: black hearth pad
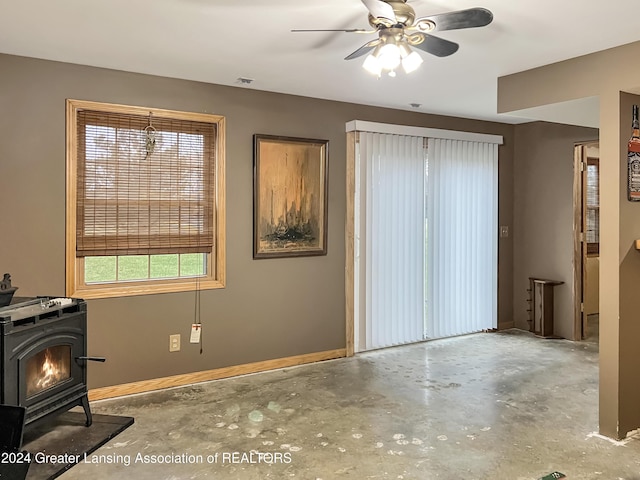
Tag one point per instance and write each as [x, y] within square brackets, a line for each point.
[66, 434]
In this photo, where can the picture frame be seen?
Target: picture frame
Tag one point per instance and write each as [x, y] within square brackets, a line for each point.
[290, 190]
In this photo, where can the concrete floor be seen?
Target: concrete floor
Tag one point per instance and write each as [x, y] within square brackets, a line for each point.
[488, 406]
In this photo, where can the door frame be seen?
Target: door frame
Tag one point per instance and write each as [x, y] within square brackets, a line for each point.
[350, 253]
[579, 236]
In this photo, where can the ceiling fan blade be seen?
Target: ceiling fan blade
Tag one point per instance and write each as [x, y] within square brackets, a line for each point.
[346, 30]
[434, 45]
[473, 17]
[380, 9]
[364, 49]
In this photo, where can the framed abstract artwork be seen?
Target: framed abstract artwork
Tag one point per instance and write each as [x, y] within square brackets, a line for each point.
[289, 196]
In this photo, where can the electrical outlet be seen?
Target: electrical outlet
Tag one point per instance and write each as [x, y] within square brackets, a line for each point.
[174, 343]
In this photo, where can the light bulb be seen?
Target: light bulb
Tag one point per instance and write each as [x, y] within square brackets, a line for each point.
[389, 56]
[392, 73]
[372, 65]
[411, 62]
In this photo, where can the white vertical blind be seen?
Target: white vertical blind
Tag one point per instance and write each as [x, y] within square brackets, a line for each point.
[390, 253]
[462, 249]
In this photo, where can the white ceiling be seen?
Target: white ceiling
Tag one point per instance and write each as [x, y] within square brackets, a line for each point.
[218, 41]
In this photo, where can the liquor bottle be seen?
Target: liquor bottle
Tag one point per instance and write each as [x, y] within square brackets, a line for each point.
[633, 160]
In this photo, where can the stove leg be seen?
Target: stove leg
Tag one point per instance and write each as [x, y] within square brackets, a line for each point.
[87, 410]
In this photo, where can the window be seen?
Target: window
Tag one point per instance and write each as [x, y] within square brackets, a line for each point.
[145, 200]
[593, 206]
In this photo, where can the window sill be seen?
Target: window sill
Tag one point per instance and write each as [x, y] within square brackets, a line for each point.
[143, 288]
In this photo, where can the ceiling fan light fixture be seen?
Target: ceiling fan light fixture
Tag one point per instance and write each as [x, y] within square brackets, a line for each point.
[389, 56]
[404, 49]
[411, 62]
[399, 30]
[372, 65]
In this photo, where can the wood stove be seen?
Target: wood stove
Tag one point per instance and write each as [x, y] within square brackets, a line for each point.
[43, 348]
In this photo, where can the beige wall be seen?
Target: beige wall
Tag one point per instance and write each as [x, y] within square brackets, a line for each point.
[604, 74]
[590, 75]
[271, 308]
[543, 215]
[629, 279]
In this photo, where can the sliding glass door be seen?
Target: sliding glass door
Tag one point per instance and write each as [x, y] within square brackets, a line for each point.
[462, 248]
[425, 262]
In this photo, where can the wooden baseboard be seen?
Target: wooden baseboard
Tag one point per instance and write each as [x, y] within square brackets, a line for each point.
[207, 375]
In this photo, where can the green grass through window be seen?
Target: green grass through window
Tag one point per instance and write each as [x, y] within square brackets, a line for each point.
[143, 267]
[99, 269]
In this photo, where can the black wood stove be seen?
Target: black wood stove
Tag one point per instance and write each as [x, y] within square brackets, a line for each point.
[43, 347]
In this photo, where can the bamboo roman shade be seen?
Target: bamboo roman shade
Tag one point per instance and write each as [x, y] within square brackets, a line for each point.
[133, 199]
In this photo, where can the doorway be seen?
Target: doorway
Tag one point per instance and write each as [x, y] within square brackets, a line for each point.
[586, 240]
[400, 286]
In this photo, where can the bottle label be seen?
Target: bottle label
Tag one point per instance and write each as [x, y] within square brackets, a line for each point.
[633, 187]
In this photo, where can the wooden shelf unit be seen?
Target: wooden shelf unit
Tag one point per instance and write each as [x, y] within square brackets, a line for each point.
[541, 306]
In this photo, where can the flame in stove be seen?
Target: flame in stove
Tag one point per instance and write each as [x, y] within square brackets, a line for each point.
[49, 374]
[48, 368]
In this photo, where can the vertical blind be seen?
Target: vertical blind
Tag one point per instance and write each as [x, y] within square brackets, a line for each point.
[132, 200]
[462, 250]
[391, 215]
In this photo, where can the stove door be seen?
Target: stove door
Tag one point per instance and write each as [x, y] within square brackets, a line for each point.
[48, 372]
[48, 369]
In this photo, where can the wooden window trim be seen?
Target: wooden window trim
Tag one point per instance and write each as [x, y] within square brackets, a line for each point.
[215, 277]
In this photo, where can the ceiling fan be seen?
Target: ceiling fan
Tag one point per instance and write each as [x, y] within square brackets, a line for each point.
[398, 30]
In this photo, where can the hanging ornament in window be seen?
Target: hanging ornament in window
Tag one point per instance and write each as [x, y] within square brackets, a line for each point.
[150, 137]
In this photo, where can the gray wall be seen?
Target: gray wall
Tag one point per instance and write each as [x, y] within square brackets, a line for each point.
[543, 215]
[270, 308]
